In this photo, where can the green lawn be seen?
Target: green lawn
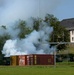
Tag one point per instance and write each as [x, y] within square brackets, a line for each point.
[37, 70]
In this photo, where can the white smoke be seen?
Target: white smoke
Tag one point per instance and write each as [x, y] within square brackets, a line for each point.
[12, 10]
[11, 30]
[37, 41]
[2, 31]
[34, 43]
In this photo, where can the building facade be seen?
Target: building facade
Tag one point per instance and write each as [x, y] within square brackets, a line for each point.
[71, 35]
[69, 24]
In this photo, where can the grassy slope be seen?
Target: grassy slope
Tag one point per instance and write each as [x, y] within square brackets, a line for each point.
[37, 70]
[69, 50]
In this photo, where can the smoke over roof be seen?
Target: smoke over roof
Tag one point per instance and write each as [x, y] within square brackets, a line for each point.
[34, 43]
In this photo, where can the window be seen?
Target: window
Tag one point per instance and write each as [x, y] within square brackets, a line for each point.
[72, 32]
[72, 38]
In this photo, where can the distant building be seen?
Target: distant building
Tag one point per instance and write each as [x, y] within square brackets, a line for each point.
[69, 24]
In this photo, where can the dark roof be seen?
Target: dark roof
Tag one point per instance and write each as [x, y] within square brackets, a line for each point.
[68, 23]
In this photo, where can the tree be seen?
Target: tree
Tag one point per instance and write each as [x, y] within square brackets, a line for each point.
[3, 39]
[59, 32]
[24, 30]
[36, 23]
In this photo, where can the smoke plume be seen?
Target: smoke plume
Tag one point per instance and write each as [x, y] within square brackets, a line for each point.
[37, 41]
[34, 43]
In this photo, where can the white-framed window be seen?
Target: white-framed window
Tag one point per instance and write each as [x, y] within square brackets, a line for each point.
[72, 38]
[72, 32]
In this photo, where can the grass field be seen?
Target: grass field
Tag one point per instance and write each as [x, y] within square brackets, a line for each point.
[37, 70]
[62, 68]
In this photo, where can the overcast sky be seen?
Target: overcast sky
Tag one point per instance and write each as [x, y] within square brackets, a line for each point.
[12, 10]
